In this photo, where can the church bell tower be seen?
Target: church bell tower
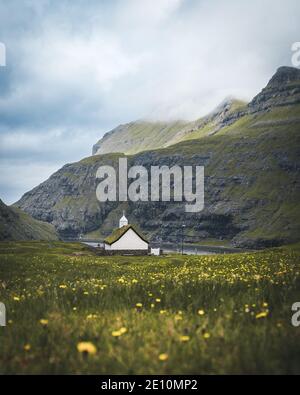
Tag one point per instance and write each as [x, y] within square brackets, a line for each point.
[123, 220]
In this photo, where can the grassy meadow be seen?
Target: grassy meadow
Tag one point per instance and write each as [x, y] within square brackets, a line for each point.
[70, 311]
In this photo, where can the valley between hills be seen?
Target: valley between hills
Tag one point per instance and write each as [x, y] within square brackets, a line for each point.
[250, 153]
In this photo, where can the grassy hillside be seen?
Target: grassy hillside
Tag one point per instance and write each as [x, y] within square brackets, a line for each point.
[17, 225]
[139, 136]
[69, 311]
[143, 135]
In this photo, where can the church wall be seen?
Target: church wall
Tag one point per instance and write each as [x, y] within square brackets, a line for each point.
[130, 241]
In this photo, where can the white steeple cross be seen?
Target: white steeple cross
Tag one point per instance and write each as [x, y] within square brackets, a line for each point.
[123, 221]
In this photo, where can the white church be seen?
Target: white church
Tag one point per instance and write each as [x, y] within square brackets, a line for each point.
[126, 238]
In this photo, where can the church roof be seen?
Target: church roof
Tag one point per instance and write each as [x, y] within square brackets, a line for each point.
[118, 233]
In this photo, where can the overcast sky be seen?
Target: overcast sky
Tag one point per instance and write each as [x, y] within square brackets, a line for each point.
[78, 68]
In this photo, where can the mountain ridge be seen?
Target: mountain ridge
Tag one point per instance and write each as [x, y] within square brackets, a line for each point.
[252, 185]
[143, 135]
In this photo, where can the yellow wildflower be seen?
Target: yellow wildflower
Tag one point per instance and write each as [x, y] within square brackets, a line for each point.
[86, 347]
[263, 314]
[119, 332]
[44, 322]
[184, 338]
[91, 316]
[206, 335]
[163, 357]
[201, 312]
[139, 305]
[63, 286]
[27, 347]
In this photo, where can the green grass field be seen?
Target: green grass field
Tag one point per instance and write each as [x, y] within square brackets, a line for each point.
[69, 311]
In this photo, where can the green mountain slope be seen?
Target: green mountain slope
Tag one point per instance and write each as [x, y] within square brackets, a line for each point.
[251, 157]
[283, 89]
[142, 135]
[138, 136]
[17, 225]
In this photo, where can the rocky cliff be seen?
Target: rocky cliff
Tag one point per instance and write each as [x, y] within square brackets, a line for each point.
[251, 158]
[283, 89]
